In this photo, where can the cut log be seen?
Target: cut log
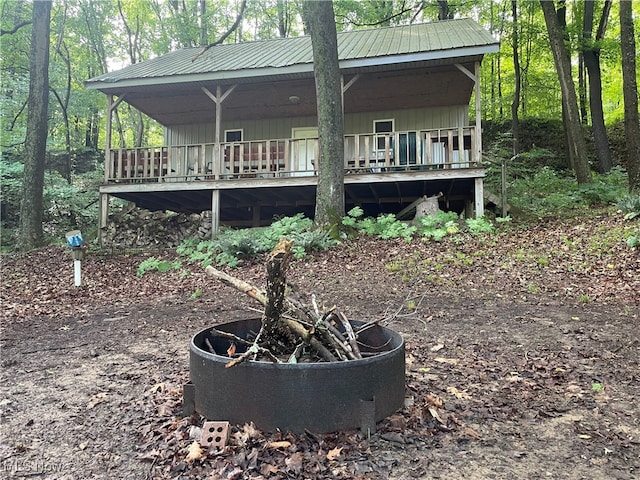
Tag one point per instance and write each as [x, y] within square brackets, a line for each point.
[277, 334]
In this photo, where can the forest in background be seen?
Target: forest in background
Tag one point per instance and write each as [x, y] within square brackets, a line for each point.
[88, 38]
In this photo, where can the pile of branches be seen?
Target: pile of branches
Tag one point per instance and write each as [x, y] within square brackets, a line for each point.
[290, 329]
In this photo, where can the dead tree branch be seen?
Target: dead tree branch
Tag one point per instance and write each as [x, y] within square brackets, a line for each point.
[259, 295]
[226, 35]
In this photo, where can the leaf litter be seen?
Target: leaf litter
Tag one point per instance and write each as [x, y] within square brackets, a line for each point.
[510, 337]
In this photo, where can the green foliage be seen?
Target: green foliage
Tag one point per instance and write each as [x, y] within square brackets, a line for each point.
[231, 246]
[633, 240]
[352, 217]
[630, 206]
[549, 193]
[438, 226]
[605, 189]
[430, 227]
[67, 206]
[153, 264]
[11, 187]
[523, 166]
[480, 226]
[385, 226]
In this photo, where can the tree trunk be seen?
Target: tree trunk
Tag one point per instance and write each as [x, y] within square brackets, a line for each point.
[283, 18]
[204, 22]
[515, 105]
[444, 12]
[591, 54]
[582, 89]
[575, 137]
[320, 20]
[587, 26]
[31, 208]
[630, 92]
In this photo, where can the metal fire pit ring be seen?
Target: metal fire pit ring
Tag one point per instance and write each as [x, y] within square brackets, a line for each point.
[319, 397]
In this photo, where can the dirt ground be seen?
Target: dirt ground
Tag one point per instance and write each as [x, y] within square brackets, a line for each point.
[516, 367]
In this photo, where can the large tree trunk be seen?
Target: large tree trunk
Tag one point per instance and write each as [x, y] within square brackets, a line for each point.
[630, 91]
[320, 20]
[284, 20]
[591, 55]
[515, 104]
[575, 137]
[31, 208]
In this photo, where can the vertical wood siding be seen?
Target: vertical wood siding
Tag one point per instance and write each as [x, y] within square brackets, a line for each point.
[412, 119]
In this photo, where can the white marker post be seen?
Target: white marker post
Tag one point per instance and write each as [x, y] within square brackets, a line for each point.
[74, 240]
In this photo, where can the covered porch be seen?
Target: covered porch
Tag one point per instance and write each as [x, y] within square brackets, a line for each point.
[432, 149]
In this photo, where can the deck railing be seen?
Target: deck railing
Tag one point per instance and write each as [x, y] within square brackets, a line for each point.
[363, 153]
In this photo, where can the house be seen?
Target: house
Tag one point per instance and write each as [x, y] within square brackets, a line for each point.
[241, 127]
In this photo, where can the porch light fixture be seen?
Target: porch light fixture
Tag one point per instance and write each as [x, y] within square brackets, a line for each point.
[294, 99]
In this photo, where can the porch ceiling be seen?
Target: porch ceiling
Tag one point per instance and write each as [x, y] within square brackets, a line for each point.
[376, 89]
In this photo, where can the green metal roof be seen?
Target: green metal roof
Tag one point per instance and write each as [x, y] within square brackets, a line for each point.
[283, 56]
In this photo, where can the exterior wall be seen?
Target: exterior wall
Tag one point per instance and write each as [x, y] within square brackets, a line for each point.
[358, 123]
[413, 119]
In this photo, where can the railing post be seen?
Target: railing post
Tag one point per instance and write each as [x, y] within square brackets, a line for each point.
[460, 145]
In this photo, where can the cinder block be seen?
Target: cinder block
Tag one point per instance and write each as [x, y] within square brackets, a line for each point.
[215, 435]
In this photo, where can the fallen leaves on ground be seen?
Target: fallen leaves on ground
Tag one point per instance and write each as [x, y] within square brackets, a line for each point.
[476, 382]
[166, 440]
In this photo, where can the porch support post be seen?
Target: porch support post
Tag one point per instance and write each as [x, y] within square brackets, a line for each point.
[218, 98]
[107, 140]
[215, 212]
[478, 152]
[103, 215]
[475, 76]
[479, 197]
[111, 106]
[256, 215]
[217, 164]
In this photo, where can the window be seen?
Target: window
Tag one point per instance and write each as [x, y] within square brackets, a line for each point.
[233, 135]
[382, 126]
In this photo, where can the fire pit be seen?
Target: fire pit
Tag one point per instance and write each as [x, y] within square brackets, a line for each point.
[319, 397]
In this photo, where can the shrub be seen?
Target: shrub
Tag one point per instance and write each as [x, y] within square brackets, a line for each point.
[66, 206]
[550, 193]
[480, 226]
[232, 246]
[630, 206]
[438, 226]
[385, 226]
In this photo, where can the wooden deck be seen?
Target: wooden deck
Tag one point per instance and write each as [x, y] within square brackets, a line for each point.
[286, 158]
[249, 183]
